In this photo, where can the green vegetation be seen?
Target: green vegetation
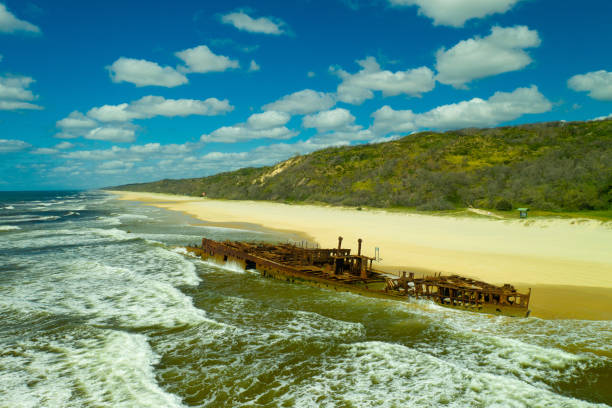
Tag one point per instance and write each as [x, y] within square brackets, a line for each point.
[547, 167]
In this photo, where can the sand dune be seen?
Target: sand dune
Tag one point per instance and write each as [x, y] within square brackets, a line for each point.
[526, 253]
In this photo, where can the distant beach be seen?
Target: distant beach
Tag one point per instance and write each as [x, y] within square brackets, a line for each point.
[567, 262]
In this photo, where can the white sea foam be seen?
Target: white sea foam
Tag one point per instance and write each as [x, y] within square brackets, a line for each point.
[107, 295]
[9, 227]
[9, 207]
[28, 218]
[61, 237]
[382, 374]
[107, 368]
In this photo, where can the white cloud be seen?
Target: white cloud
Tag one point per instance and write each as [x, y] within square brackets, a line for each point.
[76, 121]
[302, 102]
[113, 164]
[602, 117]
[268, 119]
[9, 23]
[145, 73]
[14, 105]
[113, 113]
[150, 106]
[44, 150]
[64, 145]
[311, 74]
[12, 145]
[14, 94]
[254, 66]
[201, 59]
[111, 134]
[134, 152]
[240, 133]
[335, 119]
[77, 124]
[387, 120]
[265, 125]
[456, 12]
[597, 83]
[499, 108]
[501, 51]
[356, 88]
[263, 25]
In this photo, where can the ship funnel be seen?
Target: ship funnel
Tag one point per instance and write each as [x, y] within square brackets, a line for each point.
[359, 241]
[339, 243]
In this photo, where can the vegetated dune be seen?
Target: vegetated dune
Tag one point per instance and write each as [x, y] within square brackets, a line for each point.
[549, 166]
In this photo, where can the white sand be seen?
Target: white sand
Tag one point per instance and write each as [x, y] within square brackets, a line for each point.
[525, 252]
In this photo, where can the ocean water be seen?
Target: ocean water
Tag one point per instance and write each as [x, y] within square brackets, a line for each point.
[100, 307]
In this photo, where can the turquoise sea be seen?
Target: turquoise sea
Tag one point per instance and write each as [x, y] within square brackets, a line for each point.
[101, 307]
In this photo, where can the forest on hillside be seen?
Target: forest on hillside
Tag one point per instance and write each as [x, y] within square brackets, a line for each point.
[558, 166]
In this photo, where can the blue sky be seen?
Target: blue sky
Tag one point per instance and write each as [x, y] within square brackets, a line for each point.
[103, 93]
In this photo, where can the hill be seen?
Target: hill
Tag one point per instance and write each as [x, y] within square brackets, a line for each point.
[558, 166]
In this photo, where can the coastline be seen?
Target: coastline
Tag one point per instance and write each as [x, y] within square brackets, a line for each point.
[570, 258]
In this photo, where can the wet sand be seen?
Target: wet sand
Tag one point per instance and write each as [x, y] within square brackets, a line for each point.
[567, 263]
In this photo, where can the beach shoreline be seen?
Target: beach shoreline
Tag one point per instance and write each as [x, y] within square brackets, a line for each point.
[566, 262]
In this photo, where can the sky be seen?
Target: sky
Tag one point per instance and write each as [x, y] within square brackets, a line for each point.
[102, 93]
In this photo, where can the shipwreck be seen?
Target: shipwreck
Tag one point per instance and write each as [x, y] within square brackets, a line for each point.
[338, 269]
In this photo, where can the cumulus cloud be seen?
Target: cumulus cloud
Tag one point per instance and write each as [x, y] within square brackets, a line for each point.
[254, 66]
[241, 132]
[302, 102]
[14, 93]
[10, 24]
[135, 153]
[64, 145]
[112, 122]
[605, 117]
[501, 51]
[201, 59]
[76, 122]
[44, 150]
[335, 126]
[597, 83]
[116, 134]
[12, 145]
[154, 161]
[145, 73]
[335, 119]
[150, 106]
[356, 88]
[78, 125]
[263, 25]
[499, 108]
[387, 120]
[114, 167]
[268, 119]
[455, 13]
[266, 125]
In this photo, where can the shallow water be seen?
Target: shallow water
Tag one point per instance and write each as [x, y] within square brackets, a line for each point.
[100, 308]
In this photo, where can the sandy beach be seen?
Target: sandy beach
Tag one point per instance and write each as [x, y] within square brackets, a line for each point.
[551, 256]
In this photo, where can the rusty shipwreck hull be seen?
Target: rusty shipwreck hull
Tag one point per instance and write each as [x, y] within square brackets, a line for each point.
[339, 270]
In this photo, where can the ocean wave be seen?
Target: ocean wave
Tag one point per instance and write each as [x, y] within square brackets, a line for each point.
[103, 368]
[43, 238]
[9, 227]
[105, 295]
[28, 218]
[382, 374]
